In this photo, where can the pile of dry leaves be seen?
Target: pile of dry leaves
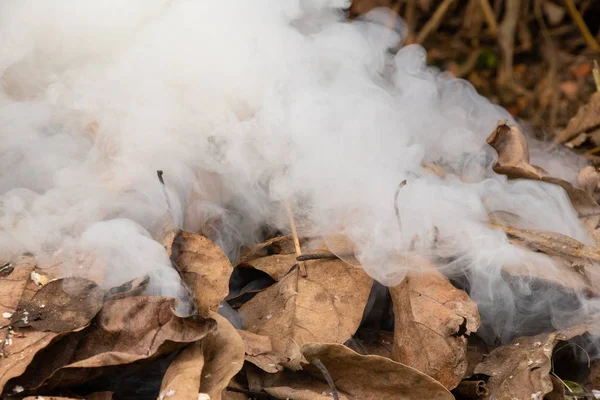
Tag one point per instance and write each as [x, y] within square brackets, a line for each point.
[312, 325]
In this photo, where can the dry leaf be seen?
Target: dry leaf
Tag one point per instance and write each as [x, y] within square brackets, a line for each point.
[223, 357]
[512, 148]
[126, 330]
[359, 377]
[204, 268]
[91, 396]
[369, 342]
[276, 265]
[433, 320]
[182, 378]
[279, 244]
[521, 370]
[134, 287]
[326, 306]
[259, 351]
[12, 285]
[589, 179]
[62, 305]
[586, 119]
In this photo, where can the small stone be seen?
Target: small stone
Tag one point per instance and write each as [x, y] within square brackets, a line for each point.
[18, 389]
[6, 315]
[203, 396]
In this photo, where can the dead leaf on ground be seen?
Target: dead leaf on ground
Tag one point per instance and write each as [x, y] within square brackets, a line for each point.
[433, 320]
[359, 377]
[288, 393]
[62, 305]
[326, 306]
[512, 148]
[259, 351]
[182, 379]
[276, 265]
[126, 330]
[369, 342]
[278, 244]
[521, 370]
[91, 396]
[223, 358]
[204, 268]
[589, 179]
[586, 119]
[12, 286]
[134, 287]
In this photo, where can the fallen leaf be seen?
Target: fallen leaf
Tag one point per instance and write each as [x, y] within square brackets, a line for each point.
[125, 331]
[276, 265]
[278, 244]
[223, 357]
[134, 287]
[91, 396]
[512, 148]
[204, 268]
[589, 179]
[558, 390]
[521, 370]
[359, 377]
[368, 342]
[259, 351]
[586, 119]
[432, 322]
[183, 375]
[12, 286]
[62, 305]
[325, 306]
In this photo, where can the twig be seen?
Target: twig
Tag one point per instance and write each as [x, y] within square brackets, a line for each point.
[583, 28]
[159, 173]
[308, 257]
[396, 209]
[506, 39]
[317, 363]
[434, 21]
[490, 18]
[596, 72]
[301, 264]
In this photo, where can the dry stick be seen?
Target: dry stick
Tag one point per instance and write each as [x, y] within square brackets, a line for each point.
[396, 209]
[434, 21]
[164, 189]
[334, 393]
[583, 28]
[596, 72]
[506, 39]
[301, 264]
[490, 18]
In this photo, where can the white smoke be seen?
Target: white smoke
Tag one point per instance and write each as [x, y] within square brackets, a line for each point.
[244, 105]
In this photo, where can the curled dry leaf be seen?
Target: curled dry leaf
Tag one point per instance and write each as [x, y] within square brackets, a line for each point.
[223, 357]
[359, 377]
[125, 331]
[62, 305]
[586, 119]
[182, 378]
[433, 320]
[512, 148]
[204, 268]
[259, 351]
[282, 245]
[521, 370]
[325, 306]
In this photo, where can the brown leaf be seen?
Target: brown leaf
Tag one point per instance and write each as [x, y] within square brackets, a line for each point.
[224, 358]
[91, 396]
[586, 119]
[433, 320]
[182, 379]
[12, 286]
[259, 351]
[276, 265]
[326, 306]
[589, 179]
[369, 342]
[134, 287]
[278, 244]
[512, 148]
[62, 305]
[360, 377]
[521, 370]
[204, 268]
[126, 330]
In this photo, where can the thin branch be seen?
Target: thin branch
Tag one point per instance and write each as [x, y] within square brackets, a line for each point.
[490, 18]
[583, 28]
[396, 209]
[301, 264]
[596, 72]
[334, 393]
[434, 21]
[159, 173]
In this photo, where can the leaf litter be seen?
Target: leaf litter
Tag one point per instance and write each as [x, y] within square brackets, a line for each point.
[60, 332]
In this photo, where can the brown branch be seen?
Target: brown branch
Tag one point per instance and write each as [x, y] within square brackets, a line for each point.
[301, 264]
[490, 18]
[334, 393]
[583, 28]
[506, 40]
[434, 21]
[396, 209]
